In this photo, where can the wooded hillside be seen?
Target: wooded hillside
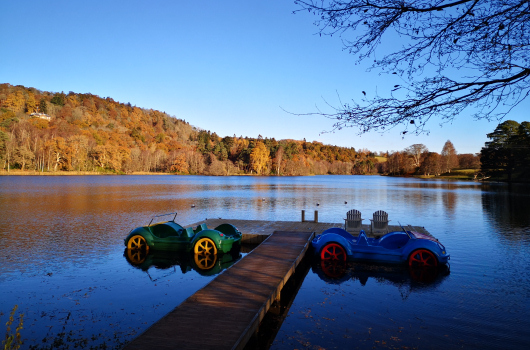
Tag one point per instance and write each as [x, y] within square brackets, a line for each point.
[47, 131]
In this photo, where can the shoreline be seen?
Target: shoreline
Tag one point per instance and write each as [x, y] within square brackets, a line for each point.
[17, 172]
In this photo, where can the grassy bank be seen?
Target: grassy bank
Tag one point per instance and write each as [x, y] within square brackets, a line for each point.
[458, 174]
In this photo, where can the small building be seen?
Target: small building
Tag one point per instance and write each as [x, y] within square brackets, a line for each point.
[41, 116]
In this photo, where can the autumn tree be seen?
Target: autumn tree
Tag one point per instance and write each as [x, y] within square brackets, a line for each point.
[468, 161]
[195, 162]
[216, 167]
[455, 55]
[278, 158]
[10, 144]
[399, 163]
[449, 157]
[61, 154]
[415, 151]
[15, 101]
[259, 157]
[31, 104]
[179, 164]
[4, 155]
[431, 164]
[393, 163]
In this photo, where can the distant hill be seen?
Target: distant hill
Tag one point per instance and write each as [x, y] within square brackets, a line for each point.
[46, 131]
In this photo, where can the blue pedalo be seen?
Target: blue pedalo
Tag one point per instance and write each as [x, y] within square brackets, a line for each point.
[413, 248]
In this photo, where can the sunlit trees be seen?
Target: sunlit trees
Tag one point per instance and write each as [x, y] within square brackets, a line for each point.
[61, 154]
[216, 167]
[415, 151]
[259, 157]
[278, 158]
[15, 101]
[469, 161]
[179, 164]
[454, 55]
[89, 133]
[195, 162]
[432, 164]
[7, 146]
[31, 104]
[449, 157]
[23, 156]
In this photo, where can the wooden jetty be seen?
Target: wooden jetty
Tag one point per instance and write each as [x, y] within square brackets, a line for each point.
[255, 231]
[227, 312]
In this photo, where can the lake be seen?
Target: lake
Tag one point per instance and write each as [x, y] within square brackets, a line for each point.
[63, 262]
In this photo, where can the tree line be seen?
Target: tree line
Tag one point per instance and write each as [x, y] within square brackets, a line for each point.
[507, 155]
[47, 132]
[418, 160]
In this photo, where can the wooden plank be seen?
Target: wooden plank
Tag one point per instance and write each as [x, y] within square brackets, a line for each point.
[226, 312]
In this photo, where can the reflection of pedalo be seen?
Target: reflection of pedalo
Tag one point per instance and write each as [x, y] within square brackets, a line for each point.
[314, 220]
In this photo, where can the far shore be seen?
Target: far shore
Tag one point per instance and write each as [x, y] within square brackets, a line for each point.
[456, 175]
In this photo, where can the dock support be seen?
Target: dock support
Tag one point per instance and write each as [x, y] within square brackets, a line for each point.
[315, 220]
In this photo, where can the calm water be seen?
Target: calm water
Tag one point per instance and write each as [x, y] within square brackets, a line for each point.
[62, 259]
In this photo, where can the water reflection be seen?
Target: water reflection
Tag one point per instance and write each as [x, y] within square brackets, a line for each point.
[204, 264]
[62, 250]
[508, 207]
[337, 272]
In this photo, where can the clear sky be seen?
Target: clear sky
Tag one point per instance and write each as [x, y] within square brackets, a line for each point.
[231, 66]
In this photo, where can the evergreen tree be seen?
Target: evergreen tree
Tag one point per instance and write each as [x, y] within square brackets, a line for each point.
[43, 107]
[58, 99]
[501, 156]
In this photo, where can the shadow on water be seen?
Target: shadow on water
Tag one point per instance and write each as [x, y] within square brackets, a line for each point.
[407, 280]
[508, 207]
[205, 265]
[415, 279]
[272, 322]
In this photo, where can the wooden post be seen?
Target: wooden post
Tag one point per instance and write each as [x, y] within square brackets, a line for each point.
[303, 215]
[316, 216]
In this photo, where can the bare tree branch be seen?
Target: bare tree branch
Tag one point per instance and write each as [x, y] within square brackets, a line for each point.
[459, 54]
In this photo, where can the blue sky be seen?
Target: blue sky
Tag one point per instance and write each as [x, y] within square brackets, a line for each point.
[230, 66]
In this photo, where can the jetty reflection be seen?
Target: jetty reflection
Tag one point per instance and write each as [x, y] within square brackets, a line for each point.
[337, 272]
[205, 265]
